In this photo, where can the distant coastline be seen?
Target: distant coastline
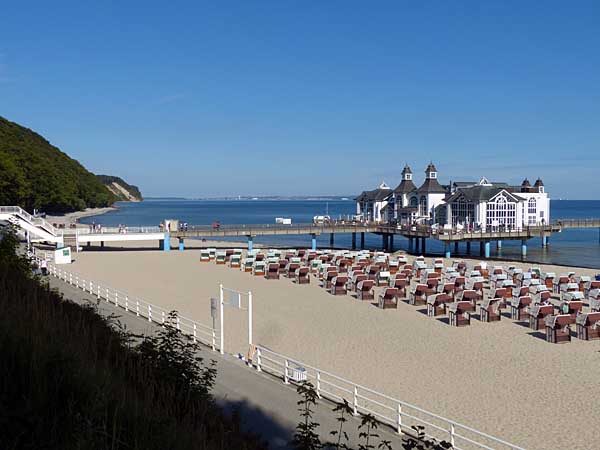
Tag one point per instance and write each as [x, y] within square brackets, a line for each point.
[333, 198]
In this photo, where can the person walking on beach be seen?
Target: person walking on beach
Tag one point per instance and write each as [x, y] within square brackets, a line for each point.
[44, 267]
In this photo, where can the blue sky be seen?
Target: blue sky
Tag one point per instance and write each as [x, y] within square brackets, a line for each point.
[282, 97]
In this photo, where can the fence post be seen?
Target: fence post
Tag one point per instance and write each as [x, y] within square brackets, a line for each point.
[126, 303]
[258, 360]
[355, 401]
[91, 287]
[137, 308]
[214, 340]
[285, 373]
[107, 295]
[318, 384]
[116, 298]
[194, 335]
[149, 313]
[178, 323]
[163, 319]
[70, 278]
[98, 291]
[452, 434]
[399, 422]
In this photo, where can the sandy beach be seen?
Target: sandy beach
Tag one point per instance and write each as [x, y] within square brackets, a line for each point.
[73, 217]
[496, 377]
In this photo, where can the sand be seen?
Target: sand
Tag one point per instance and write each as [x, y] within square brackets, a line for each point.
[495, 377]
[73, 217]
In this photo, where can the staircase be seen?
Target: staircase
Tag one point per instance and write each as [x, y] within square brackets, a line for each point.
[39, 230]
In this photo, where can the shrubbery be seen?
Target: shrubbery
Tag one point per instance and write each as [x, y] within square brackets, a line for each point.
[69, 379]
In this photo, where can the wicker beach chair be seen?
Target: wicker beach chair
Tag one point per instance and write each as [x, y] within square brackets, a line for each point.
[272, 271]
[437, 304]
[537, 315]
[588, 326]
[419, 294]
[338, 285]
[220, 257]
[364, 290]
[258, 268]
[302, 275]
[459, 313]
[388, 298]
[558, 328]
[489, 310]
[519, 308]
[235, 261]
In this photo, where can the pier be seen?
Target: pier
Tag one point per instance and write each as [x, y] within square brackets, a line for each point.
[417, 236]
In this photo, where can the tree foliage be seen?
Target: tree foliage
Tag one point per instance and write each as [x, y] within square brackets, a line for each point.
[35, 174]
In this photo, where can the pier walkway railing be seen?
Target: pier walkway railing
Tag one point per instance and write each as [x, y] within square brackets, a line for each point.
[395, 413]
[196, 331]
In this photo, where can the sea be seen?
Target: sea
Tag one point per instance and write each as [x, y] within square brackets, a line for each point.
[573, 247]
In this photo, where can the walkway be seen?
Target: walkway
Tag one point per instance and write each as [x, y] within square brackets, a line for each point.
[266, 405]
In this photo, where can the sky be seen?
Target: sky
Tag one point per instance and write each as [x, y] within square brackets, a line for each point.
[202, 99]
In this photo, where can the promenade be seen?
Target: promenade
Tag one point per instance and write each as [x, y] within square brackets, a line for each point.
[266, 406]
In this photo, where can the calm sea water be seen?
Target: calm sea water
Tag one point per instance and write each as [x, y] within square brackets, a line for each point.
[571, 247]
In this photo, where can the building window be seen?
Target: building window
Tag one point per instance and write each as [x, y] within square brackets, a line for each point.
[501, 213]
[414, 202]
[423, 206]
[463, 212]
[531, 206]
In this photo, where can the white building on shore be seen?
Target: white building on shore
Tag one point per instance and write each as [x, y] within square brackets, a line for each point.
[471, 204]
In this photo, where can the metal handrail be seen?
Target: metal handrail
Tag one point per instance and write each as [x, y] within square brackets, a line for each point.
[392, 414]
[38, 221]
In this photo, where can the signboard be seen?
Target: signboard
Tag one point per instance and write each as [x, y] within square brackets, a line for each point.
[213, 308]
[235, 300]
[62, 256]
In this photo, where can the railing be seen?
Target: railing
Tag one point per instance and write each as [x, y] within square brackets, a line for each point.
[308, 227]
[121, 230]
[37, 221]
[398, 414]
[196, 331]
[578, 223]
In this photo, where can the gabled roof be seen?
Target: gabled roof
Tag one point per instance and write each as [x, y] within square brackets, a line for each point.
[375, 195]
[477, 194]
[431, 186]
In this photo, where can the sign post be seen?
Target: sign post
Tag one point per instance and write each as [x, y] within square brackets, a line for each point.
[249, 317]
[221, 331]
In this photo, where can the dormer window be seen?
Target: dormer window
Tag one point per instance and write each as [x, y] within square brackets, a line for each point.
[408, 176]
[432, 175]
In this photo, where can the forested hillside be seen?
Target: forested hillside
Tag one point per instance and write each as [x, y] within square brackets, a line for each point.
[36, 174]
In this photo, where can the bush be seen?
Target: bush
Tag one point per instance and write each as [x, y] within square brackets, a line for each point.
[70, 379]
